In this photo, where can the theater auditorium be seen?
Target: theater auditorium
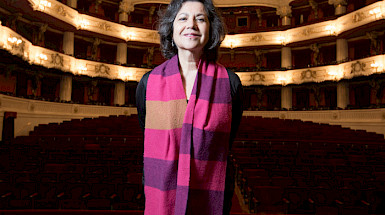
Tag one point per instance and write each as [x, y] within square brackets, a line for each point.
[311, 139]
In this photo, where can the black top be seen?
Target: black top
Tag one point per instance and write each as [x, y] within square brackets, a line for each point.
[236, 95]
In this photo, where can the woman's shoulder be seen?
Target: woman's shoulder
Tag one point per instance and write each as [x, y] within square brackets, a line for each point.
[144, 79]
[235, 83]
[234, 78]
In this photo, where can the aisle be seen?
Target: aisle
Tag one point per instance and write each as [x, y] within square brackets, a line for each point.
[238, 207]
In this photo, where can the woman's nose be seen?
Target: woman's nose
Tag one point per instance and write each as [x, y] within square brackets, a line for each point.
[191, 23]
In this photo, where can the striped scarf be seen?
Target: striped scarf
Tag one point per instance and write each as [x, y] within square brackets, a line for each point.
[186, 144]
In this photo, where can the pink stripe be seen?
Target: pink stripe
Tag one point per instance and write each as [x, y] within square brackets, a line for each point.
[184, 170]
[162, 144]
[211, 71]
[212, 117]
[159, 202]
[165, 88]
[208, 175]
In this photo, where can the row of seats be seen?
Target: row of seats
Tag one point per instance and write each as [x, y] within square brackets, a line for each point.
[289, 166]
[71, 195]
[300, 169]
[93, 164]
[113, 125]
[254, 128]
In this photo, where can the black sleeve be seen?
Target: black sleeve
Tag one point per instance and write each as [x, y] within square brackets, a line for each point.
[141, 99]
[237, 104]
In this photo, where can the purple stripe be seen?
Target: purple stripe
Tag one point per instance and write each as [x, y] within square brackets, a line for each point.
[182, 193]
[168, 68]
[204, 202]
[219, 93]
[160, 174]
[208, 145]
[185, 142]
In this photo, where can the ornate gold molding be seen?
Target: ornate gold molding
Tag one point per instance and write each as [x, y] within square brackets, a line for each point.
[17, 45]
[344, 23]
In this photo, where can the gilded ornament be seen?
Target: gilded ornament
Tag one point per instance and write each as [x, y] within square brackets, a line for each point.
[103, 70]
[358, 17]
[126, 6]
[76, 109]
[60, 10]
[246, 78]
[308, 74]
[259, 78]
[306, 32]
[358, 67]
[335, 116]
[19, 48]
[104, 26]
[284, 10]
[57, 60]
[32, 107]
[257, 38]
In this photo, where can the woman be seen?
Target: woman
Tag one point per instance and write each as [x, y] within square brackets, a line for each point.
[190, 108]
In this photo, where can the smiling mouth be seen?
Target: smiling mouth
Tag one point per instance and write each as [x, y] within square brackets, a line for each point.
[192, 35]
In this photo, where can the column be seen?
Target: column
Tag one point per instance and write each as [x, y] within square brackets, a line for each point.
[121, 55]
[68, 43]
[342, 50]
[125, 8]
[65, 88]
[123, 17]
[65, 80]
[72, 3]
[342, 87]
[342, 94]
[286, 92]
[69, 37]
[285, 13]
[339, 6]
[286, 97]
[286, 59]
[119, 93]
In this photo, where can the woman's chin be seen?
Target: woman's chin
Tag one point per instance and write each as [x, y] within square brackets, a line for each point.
[194, 49]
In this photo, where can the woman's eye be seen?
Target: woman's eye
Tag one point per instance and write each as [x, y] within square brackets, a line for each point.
[182, 19]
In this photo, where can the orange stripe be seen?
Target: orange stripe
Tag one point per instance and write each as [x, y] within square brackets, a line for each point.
[165, 115]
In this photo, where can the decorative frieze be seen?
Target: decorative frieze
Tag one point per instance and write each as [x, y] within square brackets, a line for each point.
[344, 23]
[17, 45]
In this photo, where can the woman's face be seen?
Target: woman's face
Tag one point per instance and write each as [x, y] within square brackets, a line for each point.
[191, 27]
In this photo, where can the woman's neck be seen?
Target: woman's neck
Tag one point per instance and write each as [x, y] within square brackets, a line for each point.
[188, 61]
[188, 66]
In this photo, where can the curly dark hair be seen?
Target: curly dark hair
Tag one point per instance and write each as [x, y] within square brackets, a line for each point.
[217, 30]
